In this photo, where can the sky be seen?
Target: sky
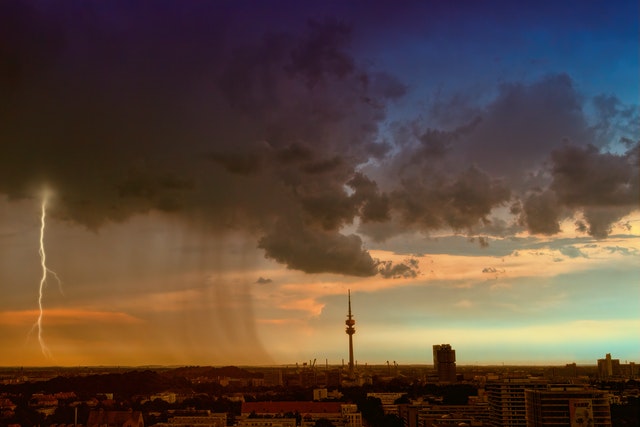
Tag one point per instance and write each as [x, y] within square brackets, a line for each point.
[202, 183]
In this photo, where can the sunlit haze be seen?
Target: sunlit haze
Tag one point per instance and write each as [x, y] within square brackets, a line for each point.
[218, 175]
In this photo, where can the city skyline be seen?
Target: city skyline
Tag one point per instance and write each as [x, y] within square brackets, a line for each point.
[221, 175]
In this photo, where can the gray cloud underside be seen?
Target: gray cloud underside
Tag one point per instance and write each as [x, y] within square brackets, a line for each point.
[284, 135]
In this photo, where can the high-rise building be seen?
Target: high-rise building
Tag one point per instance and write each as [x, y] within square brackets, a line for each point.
[444, 361]
[436, 348]
[350, 331]
[507, 401]
[608, 367]
[567, 406]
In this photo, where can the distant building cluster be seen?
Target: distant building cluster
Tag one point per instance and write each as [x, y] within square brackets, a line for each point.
[521, 402]
[609, 368]
[566, 396]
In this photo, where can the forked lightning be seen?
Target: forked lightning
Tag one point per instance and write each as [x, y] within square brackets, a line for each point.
[45, 272]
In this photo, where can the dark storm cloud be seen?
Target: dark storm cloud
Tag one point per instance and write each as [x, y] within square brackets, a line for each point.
[533, 149]
[604, 185]
[123, 108]
[272, 123]
[316, 250]
[408, 269]
[542, 213]
[94, 112]
[483, 242]
[374, 206]
[523, 124]
[584, 176]
[427, 200]
[458, 202]
[435, 143]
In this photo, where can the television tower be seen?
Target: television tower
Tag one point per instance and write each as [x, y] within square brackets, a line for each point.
[350, 331]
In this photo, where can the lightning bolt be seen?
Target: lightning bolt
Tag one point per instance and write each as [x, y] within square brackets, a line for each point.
[45, 272]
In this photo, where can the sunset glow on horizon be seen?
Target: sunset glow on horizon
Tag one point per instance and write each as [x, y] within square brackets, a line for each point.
[223, 173]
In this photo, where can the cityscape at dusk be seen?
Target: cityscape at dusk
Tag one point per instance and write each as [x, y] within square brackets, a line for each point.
[209, 182]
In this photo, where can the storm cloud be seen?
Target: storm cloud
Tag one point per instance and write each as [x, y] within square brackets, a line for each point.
[121, 109]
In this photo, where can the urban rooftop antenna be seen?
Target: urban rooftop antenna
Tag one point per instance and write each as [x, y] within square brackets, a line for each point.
[350, 331]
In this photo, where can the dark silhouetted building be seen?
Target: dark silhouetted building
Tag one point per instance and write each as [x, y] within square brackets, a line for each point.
[608, 367]
[444, 361]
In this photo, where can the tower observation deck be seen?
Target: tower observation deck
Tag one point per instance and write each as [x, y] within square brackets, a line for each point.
[350, 330]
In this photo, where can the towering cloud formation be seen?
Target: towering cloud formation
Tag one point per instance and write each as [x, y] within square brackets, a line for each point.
[531, 148]
[605, 186]
[194, 109]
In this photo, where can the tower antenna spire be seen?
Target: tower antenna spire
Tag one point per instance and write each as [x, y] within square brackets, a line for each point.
[350, 330]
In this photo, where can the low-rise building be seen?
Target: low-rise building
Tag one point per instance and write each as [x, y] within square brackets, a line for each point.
[102, 418]
[267, 422]
[568, 406]
[428, 415]
[256, 414]
[209, 420]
